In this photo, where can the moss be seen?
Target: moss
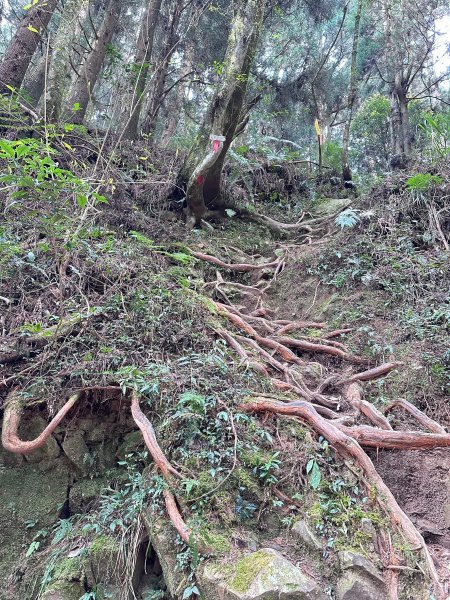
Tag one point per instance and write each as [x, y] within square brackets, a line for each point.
[219, 543]
[69, 569]
[245, 479]
[103, 544]
[248, 568]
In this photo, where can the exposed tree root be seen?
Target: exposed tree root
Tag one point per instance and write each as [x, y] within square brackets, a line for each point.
[238, 267]
[347, 447]
[320, 348]
[425, 421]
[11, 420]
[353, 396]
[375, 373]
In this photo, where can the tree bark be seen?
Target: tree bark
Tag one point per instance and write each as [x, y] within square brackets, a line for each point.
[34, 82]
[201, 175]
[160, 75]
[141, 66]
[24, 44]
[81, 93]
[58, 78]
[346, 172]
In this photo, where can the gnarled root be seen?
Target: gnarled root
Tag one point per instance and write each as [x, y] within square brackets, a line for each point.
[420, 417]
[163, 465]
[348, 447]
[239, 267]
[11, 420]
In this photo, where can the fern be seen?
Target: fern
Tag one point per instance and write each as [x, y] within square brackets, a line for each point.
[347, 218]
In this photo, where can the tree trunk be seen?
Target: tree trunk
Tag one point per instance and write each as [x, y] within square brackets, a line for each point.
[175, 110]
[81, 93]
[203, 166]
[34, 82]
[24, 44]
[160, 76]
[58, 78]
[141, 66]
[405, 133]
[346, 172]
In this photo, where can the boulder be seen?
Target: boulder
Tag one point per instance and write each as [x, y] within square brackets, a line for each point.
[31, 429]
[77, 452]
[361, 580]
[302, 531]
[262, 575]
[163, 539]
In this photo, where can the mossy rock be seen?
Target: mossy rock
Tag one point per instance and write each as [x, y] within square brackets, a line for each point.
[84, 492]
[104, 563]
[67, 581]
[262, 575]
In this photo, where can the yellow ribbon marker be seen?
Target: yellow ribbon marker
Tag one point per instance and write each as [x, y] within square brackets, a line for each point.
[317, 126]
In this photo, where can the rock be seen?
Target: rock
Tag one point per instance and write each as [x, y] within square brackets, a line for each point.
[77, 452]
[67, 581]
[162, 537]
[368, 528]
[131, 442]
[358, 562]
[83, 492]
[354, 586]
[30, 430]
[105, 562]
[361, 579]
[302, 531]
[262, 575]
[330, 206]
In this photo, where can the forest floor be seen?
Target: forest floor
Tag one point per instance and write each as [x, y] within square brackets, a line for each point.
[136, 304]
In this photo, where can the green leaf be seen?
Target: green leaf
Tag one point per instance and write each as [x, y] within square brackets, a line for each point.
[32, 548]
[315, 477]
[82, 200]
[31, 28]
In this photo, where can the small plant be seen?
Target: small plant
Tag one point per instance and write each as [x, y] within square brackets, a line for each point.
[347, 218]
[422, 182]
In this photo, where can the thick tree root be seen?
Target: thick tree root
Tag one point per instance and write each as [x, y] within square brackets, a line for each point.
[238, 267]
[11, 421]
[347, 447]
[420, 417]
[353, 397]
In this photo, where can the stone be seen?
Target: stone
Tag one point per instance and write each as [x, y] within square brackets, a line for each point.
[67, 581]
[77, 452]
[368, 528]
[361, 580]
[358, 562]
[354, 586]
[105, 562]
[163, 539]
[262, 575]
[131, 442]
[31, 429]
[84, 492]
[301, 530]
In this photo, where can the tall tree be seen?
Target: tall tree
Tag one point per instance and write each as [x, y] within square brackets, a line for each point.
[169, 45]
[141, 65]
[58, 79]
[202, 169]
[82, 90]
[352, 92]
[24, 44]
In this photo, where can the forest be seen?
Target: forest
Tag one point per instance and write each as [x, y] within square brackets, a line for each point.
[225, 300]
